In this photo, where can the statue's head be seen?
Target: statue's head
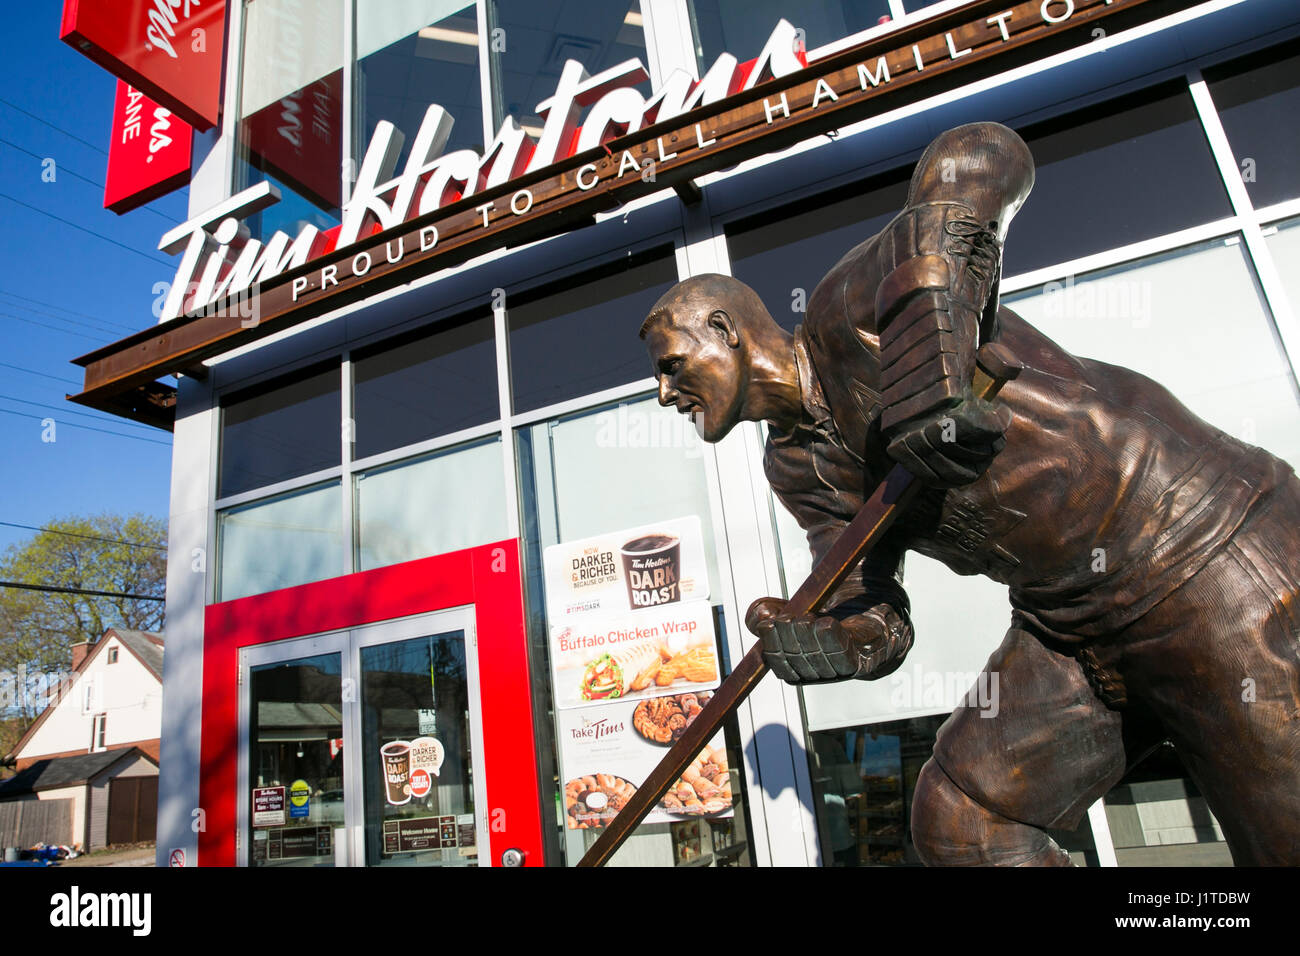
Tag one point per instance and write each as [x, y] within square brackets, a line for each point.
[705, 337]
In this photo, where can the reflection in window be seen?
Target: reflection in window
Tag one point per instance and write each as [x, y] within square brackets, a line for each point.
[1103, 178]
[295, 736]
[413, 694]
[535, 39]
[864, 782]
[595, 472]
[742, 27]
[411, 53]
[1283, 240]
[444, 502]
[279, 432]
[1158, 817]
[420, 387]
[587, 328]
[783, 254]
[1249, 95]
[280, 543]
[291, 112]
[1164, 317]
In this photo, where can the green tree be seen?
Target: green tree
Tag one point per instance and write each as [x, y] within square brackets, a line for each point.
[122, 555]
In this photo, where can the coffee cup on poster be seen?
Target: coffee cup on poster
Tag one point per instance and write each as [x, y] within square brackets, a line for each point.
[396, 757]
[652, 569]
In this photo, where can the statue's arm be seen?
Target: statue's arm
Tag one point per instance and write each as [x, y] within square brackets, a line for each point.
[866, 630]
[940, 260]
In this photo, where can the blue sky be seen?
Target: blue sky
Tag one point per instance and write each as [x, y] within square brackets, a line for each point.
[64, 291]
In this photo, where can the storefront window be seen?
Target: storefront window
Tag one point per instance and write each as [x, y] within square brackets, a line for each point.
[295, 761]
[529, 43]
[742, 27]
[600, 489]
[783, 254]
[1104, 178]
[280, 543]
[1157, 817]
[291, 111]
[411, 54]
[281, 431]
[447, 501]
[1249, 95]
[430, 384]
[1283, 240]
[586, 327]
[864, 780]
[1130, 315]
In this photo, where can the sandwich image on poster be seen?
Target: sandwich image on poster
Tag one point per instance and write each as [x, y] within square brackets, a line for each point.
[635, 569]
[648, 654]
[605, 757]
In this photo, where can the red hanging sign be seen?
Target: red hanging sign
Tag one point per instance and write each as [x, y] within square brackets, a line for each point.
[149, 155]
[171, 50]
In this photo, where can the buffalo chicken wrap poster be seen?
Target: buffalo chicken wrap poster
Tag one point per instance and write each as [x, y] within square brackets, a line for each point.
[633, 661]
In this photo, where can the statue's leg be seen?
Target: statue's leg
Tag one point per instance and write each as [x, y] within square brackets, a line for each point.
[1032, 748]
[1219, 662]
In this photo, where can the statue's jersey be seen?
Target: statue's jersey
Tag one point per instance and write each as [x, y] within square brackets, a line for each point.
[1108, 495]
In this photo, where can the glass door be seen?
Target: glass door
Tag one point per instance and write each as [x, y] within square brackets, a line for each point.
[400, 699]
[420, 742]
[292, 766]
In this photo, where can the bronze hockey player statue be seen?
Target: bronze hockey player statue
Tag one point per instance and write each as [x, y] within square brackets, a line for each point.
[1195, 595]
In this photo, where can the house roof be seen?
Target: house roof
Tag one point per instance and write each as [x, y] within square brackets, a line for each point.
[65, 771]
[145, 645]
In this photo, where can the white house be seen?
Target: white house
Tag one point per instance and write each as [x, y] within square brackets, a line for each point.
[93, 752]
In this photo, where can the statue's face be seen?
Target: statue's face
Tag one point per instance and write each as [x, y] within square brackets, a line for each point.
[699, 374]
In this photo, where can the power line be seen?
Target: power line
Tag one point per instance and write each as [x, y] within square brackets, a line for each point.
[89, 428]
[69, 222]
[46, 325]
[29, 371]
[52, 126]
[69, 411]
[52, 305]
[76, 175]
[65, 318]
[112, 594]
[91, 537]
[59, 318]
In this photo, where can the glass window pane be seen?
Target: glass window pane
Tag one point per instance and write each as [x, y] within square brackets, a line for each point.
[282, 431]
[742, 27]
[291, 112]
[587, 329]
[1250, 94]
[864, 782]
[1285, 246]
[1103, 179]
[411, 53]
[281, 543]
[296, 749]
[418, 388]
[784, 254]
[537, 38]
[1158, 817]
[415, 707]
[451, 500]
[1165, 317]
[595, 473]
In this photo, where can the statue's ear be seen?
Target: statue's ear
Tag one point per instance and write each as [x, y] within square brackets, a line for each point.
[721, 322]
